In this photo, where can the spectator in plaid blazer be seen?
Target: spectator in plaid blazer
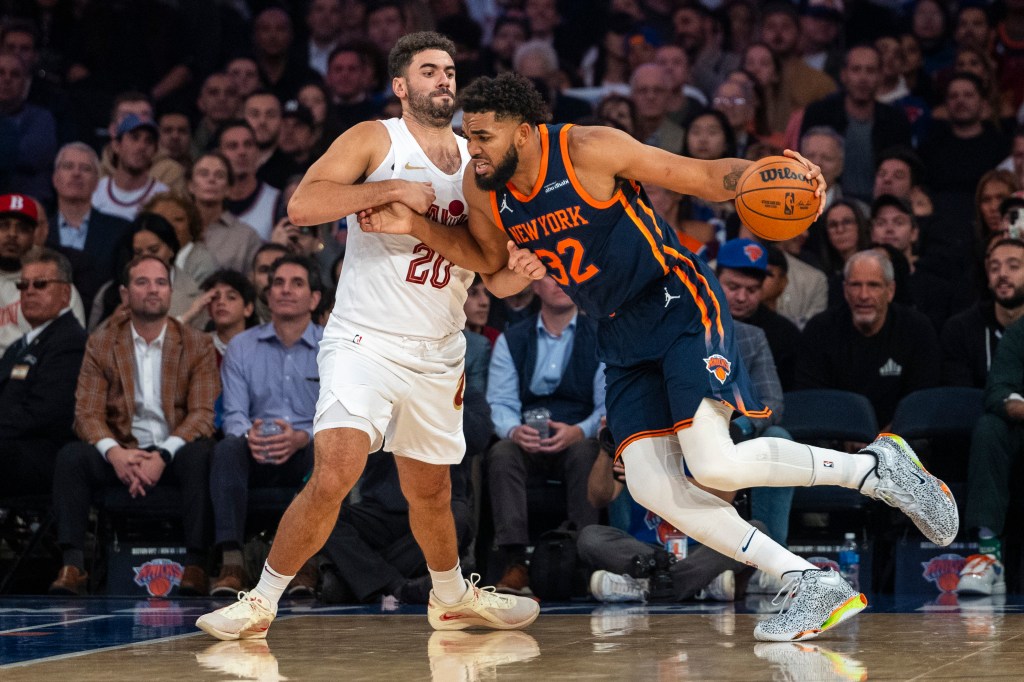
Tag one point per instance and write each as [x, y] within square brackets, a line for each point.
[144, 412]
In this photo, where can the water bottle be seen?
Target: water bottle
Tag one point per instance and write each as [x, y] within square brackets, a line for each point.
[269, 427]
[849, 561]
[675, 543]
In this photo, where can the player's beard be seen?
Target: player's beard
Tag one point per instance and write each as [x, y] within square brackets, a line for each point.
[423, 107]
[503, 171]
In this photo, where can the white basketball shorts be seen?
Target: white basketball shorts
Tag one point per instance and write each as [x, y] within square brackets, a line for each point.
[404, 393]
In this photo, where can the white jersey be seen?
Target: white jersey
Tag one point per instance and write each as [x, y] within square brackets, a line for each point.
[111, 199]
[393, 283]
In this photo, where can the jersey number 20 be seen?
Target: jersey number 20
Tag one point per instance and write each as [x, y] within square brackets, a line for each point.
[440, 273]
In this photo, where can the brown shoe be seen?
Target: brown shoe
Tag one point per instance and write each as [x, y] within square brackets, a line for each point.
[71, 581]
[231, 581]
[515, 581]
[304, 582]
[193, 582]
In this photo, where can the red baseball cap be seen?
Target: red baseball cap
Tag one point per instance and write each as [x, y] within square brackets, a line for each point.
[21, 205]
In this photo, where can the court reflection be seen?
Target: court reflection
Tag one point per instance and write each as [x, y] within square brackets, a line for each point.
[243, 659]
[464, 656]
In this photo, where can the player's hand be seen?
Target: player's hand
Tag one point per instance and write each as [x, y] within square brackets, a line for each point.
[393, 218]
[562, 436]
[526, 437]
[417, 195]
[524, 262]
[813, 173]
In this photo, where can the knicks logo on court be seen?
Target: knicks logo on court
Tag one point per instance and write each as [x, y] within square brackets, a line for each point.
[718, 365]
[457, 401]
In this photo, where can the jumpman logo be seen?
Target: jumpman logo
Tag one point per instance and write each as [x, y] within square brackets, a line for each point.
[668, 297]
[504, 204]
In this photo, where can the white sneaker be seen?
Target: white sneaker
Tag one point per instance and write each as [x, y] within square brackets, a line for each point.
[764, 583]
[982, 574]
[465, 656]
[820, 600]
[610, 587]
[905, 484]
[722, 588]
[248, 618]
[482, 607]
[243, 660]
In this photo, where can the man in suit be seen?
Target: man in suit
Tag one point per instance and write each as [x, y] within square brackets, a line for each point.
[87, 236]
[144, 412]
[37, 378]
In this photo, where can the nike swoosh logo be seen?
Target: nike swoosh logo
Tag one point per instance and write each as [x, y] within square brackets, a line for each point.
[409, 167]
[747, 543]
[918, 476]
[451, 616]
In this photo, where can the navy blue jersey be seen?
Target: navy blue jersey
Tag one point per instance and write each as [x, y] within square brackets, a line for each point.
[606, 255]
[665, 331]
[578, 237]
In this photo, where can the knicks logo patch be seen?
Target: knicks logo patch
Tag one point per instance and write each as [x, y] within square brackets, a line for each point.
[159, 576]
[457, 401]
[718, 365]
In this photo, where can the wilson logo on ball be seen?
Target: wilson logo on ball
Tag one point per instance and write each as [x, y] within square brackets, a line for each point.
[773, 174]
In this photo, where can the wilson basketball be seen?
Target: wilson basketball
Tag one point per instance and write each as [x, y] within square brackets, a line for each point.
[775, 199]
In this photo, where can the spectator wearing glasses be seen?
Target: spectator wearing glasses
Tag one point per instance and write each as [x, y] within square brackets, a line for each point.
[19, 217]
[38, 374]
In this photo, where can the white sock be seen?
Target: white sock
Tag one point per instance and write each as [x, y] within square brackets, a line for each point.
[838, 468]
[272, 585]
[449, 586]
[718, 463]
[757, 549]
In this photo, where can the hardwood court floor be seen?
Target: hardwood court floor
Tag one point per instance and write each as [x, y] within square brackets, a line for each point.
[120, 639]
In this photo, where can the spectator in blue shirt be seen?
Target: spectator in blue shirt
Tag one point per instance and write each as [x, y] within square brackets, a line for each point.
[270, 380]
[547, 361]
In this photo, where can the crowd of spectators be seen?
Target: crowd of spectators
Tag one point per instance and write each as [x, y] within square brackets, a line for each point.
[148, 149]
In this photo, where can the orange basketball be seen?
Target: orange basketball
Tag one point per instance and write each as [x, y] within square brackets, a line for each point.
[774, 198]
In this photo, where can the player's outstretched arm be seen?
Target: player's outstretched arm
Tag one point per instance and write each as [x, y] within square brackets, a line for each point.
[602, 154]
[479, 247]
[333, 187]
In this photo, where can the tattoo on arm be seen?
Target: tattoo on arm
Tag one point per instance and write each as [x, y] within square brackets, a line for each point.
[732, 177]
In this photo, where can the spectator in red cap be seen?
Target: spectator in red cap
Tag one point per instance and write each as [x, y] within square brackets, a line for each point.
[19, 216]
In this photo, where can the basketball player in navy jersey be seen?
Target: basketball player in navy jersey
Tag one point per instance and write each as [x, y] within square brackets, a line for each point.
[392, 355]
[573, 196]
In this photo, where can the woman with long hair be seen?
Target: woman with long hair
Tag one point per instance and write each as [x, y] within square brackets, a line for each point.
[181, 213]
[230, 242]
[846, 232]
[708, 137]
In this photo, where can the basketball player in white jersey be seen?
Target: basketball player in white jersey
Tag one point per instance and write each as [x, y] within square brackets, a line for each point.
[391, 360]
